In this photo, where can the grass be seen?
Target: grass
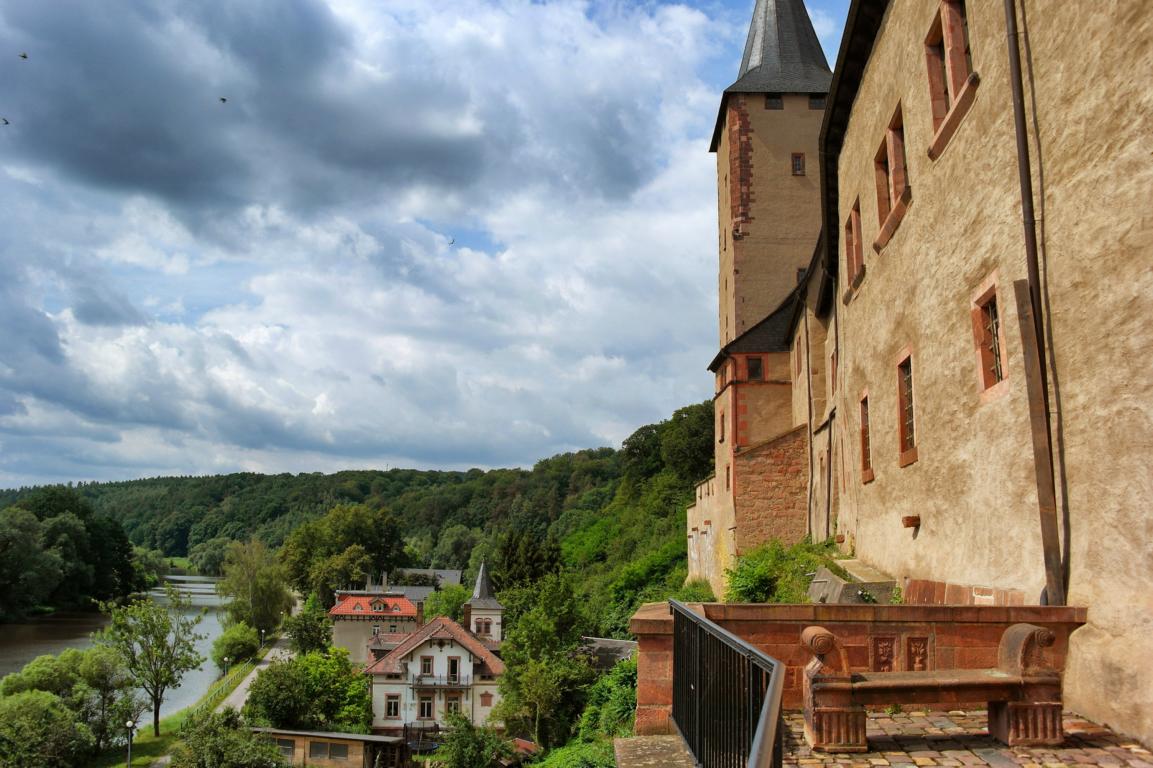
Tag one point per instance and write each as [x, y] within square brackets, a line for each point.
[179, 565]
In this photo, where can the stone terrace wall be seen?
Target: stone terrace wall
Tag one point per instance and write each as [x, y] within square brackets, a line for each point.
[876, 637]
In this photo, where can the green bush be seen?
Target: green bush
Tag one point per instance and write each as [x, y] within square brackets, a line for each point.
[238, 643]
[776, 574]
[597, 754]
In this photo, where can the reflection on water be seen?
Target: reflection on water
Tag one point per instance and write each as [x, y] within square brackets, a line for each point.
[20, 643]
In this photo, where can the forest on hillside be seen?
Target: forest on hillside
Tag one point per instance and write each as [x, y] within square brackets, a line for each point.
[614, 519]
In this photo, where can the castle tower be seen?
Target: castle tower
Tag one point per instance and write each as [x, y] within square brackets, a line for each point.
[768, 190]
[483, 613]
[767, 166]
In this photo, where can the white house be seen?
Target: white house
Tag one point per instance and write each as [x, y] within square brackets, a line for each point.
[440, 668]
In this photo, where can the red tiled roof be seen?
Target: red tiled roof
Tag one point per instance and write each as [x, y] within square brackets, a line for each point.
[361, 605]
[441, 627]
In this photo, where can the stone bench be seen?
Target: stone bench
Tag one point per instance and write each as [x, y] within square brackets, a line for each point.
[1023, 691]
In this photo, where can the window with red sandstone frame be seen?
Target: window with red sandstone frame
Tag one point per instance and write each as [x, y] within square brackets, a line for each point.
[989, 338]
[854, 255]
[952, 81]
[866, 443]
[905, 411]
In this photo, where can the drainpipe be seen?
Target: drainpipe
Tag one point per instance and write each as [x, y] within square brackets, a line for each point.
[1046, 493]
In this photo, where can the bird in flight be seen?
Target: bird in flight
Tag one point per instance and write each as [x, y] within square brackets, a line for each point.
[4, 121]
[452, 241]
[23, 55]
[223, 100]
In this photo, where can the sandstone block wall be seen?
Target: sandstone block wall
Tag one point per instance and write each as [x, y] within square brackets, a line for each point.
[771, 499]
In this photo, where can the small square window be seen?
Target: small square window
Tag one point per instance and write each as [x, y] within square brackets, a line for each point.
[337, 751]
[756, 369]
[798, 163]
[774, 101]
[816, 101]
[318, 750]
[426, 665]
[286, 747]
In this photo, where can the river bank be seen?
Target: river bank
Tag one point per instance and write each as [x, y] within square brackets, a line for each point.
[21, 643]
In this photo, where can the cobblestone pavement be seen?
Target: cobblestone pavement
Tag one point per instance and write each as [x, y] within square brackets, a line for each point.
[915, 739]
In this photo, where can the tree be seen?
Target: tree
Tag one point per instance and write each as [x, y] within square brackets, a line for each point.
[546, 672]
[149, 566]
[453, 546]
[28, 573]
[156, 642]
[311, 629]
[105, 695]
[237, 643]
[687, 442]
[94, 684]
[37, 730]
[207, 557]
[447, 601]
[222, 740]
[470, 746]
[254, 581]
[318, 691]
[350, 567]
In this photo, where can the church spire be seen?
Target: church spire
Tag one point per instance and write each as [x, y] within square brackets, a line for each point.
[782, 53]
[482, 596]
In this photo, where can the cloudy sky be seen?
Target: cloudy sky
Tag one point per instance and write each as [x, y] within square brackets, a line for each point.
[429, 234]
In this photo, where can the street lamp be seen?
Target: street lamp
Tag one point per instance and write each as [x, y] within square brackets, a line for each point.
[226, 666]
[130, 725]
[262, 638]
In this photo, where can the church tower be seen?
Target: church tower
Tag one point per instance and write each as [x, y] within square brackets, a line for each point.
[483, 613]
[767, 166]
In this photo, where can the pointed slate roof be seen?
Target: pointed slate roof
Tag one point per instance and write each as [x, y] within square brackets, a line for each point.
[782, 55]
[482, 596]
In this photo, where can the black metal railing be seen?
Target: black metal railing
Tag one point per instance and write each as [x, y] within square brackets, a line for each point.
[726, 695]
[440, 681]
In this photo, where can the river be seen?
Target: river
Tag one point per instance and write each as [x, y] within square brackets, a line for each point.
[20, 643]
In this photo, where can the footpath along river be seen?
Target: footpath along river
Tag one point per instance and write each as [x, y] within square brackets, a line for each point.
[20, 643]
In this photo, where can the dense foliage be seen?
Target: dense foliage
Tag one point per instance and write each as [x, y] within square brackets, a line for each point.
[236, 644]
[56, 550]
[310, 630]
[774, 573]
[94, 685]
[314, 691]
[36, 729]
[222, 740]
[254, 584]
[470, 746]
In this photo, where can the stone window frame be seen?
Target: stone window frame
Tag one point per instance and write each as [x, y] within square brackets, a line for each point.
[854, 250]
[449, 700]
[866, 441]
[797, 163]
[760, 366]
[431, 662]
[891, 170]
[424, 699]
[389, 700]
[486, 699]
[984, 295]
[952, 81]
[906, 407]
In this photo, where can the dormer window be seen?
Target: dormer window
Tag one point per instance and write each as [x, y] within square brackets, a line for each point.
[358, 607]
[396, 609]
[378, 606]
